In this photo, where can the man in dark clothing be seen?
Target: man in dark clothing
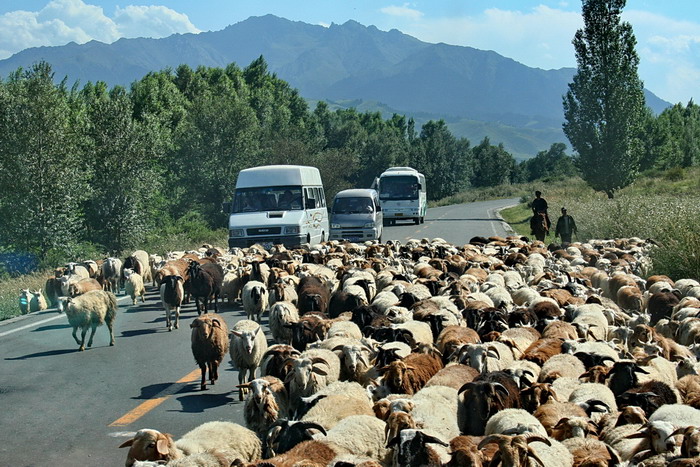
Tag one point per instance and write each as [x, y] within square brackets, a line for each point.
[565, 227]
[538, 205]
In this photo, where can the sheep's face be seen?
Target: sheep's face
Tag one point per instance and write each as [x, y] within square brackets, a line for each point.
[259, 388]
[353, 357]
[395, 375]
[147, 445]
[128, 272]
[248, 340]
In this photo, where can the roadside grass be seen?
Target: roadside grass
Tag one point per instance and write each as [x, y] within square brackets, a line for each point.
[662, 206]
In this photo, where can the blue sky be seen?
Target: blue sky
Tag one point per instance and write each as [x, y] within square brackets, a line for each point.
[535, 33]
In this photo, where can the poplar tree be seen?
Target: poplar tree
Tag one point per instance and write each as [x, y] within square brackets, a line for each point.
[604, 107]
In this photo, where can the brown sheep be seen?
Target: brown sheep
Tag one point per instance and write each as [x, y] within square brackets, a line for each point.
[560, 330]
[409, 375]
[542, 350]
[546, 310]
[551, 413]
[661, 305]
[453, 337]
[465, 452]
[82, 286]
[453, 376]
[561, 296]
[210, 344]
[629, 297]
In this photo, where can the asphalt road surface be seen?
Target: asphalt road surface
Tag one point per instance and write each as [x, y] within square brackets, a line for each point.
[62, 407]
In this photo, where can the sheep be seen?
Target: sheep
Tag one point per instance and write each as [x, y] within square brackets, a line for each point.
[277, 360]
[451, 338]
[591, 452]
[561, 365]
[314, 369]
[248, 345]
[204, 281]
[384, 300]
[282, 313]
[590, 321]
[133, 285]
[420, 332]
[172, 293]
[254, 299]
[111, 270]
[354, 359]
[510, 421]
[344, 329]
[410, 448]
[307, 453]
[330, 409]
[144, 259]
[484, 397]
[31, 301]
[360, 435]
[310, 328]
[152, 445]
[492, 356]
[516, 451]
[66, 281]
[519, 339]
[586, 392]
[209, 339]
[92, 309]
[454, 375]
[266, 402]
[542, 350]
[313, 295]
[409, 375]
[346, 389]
[82, 286]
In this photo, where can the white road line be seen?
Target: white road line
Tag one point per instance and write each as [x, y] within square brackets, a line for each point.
[489, 212]
[38, 323]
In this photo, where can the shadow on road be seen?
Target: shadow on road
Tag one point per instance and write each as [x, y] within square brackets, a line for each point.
[150, 391]
[488, 219]
[198, 403]
[52, 327]
[139, 332]
[49, 353]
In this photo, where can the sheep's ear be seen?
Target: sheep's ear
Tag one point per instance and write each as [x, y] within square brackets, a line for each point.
[394, 441]
[194, 324]
[236, 333]
[614, 456]
[639, 369]
[639, 434]
[319, 371]
[162, 445]
[216, 323]
[127, 443]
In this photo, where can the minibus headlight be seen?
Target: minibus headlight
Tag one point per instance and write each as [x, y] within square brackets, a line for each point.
[236, 233]
[369, 225]
[291, 229]
[335, 226]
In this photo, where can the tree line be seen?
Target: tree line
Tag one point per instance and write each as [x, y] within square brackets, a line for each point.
[111, 167]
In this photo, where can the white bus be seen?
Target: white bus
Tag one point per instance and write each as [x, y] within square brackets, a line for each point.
[278, 204]
[402, 195]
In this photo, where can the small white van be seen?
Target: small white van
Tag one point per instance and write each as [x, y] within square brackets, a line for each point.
[356, 216]
[278, 204]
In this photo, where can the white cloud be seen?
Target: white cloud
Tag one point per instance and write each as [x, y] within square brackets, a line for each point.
[402, 11]
[63, 21]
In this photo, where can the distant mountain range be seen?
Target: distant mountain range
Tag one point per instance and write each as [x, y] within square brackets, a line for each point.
[478, 93]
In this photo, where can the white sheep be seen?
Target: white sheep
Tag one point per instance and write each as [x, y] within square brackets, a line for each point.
[492, 356]
[31, 301]
[92, 309]
[514, 421]
[593, 391]
[421, 332]
[314, 369]
[344, 329]
[266, 402]
[282, 314]
[248, 345]
[152, 445]
[361, 435]
[384, 300]
[133, 285]
[254, 299]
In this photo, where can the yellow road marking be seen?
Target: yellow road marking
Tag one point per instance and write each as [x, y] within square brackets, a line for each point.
[150, 404]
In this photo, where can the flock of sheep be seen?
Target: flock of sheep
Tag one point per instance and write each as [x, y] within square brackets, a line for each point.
[500, 351]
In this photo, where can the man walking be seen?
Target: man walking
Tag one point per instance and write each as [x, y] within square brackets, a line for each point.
[565, 227]
[539, 205]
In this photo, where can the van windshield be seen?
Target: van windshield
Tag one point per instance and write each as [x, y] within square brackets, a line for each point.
[398, 187]
[357, 205]
[269, 198]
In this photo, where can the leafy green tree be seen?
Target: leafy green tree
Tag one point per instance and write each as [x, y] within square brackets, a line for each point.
[493, 165]
[125, 154]
[604, 106]
[43, 179]
[553, 162]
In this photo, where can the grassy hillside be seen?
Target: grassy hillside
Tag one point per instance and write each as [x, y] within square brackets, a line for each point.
[663, 206]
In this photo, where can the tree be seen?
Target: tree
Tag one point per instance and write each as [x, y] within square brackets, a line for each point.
[553, 162]
[493, 165]
[604, 106]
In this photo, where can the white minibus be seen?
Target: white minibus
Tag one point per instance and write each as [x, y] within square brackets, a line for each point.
[402, 194]
[278, 204]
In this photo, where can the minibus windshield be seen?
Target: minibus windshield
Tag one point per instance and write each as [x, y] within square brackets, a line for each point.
[271, 198]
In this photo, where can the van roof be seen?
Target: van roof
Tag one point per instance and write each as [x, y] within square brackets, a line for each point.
[356, 193]
[278, 175]
[394, 171]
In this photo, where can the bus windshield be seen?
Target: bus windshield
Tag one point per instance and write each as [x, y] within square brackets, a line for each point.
[398, 187]
[270, 198]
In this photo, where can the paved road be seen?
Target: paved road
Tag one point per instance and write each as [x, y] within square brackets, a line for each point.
[62, 407]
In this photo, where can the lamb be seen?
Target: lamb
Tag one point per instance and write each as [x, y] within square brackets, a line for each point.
[266, 402]
[91, 309]
[281, 314]
[172, 294]
[209, 345]
[31, 301]
[248, 345]
[152, 445]
[133, 285]
[254, 299]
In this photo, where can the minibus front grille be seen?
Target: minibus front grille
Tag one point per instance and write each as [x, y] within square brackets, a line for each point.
[265, 231]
